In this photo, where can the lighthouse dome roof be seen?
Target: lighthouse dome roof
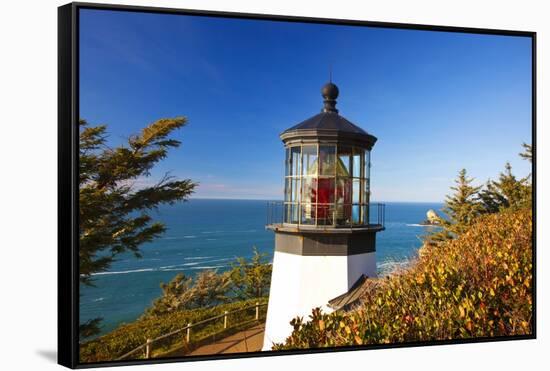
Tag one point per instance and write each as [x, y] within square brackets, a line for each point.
[329, 123]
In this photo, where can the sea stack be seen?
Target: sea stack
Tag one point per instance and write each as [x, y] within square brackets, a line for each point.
[431, 218]
[325, 243]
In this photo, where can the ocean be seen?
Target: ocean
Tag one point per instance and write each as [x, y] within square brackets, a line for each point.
[210, 234]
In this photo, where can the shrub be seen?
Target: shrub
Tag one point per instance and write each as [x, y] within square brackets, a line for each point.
[207, 289]
[477, 285]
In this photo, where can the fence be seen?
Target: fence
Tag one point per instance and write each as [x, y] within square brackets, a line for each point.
[147, 347]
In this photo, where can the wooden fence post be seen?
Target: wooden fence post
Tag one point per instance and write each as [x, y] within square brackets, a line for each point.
[257, 310]
[148, 349]
[225, 319]
[189, 332]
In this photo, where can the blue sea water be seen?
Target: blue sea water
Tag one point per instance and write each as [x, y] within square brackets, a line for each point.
[210, 234]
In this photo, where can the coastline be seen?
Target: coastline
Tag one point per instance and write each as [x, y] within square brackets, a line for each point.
[209, 234]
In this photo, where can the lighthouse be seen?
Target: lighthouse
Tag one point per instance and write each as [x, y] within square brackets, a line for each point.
[325, 243]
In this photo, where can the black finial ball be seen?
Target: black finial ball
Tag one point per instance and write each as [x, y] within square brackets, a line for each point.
[330, 91]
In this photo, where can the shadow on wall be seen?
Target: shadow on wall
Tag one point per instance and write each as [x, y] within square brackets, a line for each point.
[50, 355]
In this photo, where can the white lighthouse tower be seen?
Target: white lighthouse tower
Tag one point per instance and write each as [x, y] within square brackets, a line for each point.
[324, 241]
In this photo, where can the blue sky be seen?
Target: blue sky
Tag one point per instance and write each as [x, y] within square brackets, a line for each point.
[436, 101]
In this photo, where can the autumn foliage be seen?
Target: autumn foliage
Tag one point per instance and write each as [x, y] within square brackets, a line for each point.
[477, 285]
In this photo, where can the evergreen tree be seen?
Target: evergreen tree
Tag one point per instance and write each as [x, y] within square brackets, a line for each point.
[490, 199]
[528, 152]
[251, 279]
[506, 192]
[468, 202]
[176, 295]
[184, 293]
[210, 288]
[528, 189]
[461, 208]
[247, 279]
[113, 214]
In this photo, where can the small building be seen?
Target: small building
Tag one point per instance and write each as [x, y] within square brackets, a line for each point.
[325, 242]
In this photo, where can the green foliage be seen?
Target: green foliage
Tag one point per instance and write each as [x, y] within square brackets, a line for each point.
[176, 295]
[182, 293]
[490, 198]
[247, 279]
[186, 300]
[506, 192]
[113, 214]
[478, 285]
[211, 288]
[468, 202]
[461, 209]
[129, 336]
[528, 152]
[90, 328]
[251, 279]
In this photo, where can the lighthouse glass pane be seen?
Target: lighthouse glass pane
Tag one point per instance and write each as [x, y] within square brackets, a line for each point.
[325, 191]
[367, 164]
[356, 214]
[327, 155]
[343, 191]
[309, 158]
[288, 186]
[325, 214]
[308, 214]
[357, 162]
[295, 191]
[365, 214]
[291, 213]
[365, 196]
[356, 191]
[342, 214]
[344, 161]
[309, 189]
[286, 212]
[295, 161]
[287, 162]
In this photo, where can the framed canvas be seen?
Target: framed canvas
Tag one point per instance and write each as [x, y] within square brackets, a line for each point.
[245, 185]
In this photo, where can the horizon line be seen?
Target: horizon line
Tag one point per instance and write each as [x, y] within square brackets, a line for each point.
[273, 199]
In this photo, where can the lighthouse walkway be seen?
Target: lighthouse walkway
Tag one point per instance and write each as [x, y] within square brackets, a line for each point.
[247, 340]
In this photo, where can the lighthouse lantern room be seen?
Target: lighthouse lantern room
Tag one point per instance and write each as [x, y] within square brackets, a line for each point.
[324, 241]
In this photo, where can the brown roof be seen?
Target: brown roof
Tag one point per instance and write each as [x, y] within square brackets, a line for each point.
[349, 299]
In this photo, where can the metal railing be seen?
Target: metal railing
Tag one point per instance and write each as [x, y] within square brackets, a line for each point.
[276, 214]
[381, 213]
[147, 347]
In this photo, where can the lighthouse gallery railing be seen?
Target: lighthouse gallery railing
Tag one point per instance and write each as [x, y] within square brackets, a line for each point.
[377, 215]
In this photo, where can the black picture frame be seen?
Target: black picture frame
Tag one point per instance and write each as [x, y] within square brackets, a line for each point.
[68, 117]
